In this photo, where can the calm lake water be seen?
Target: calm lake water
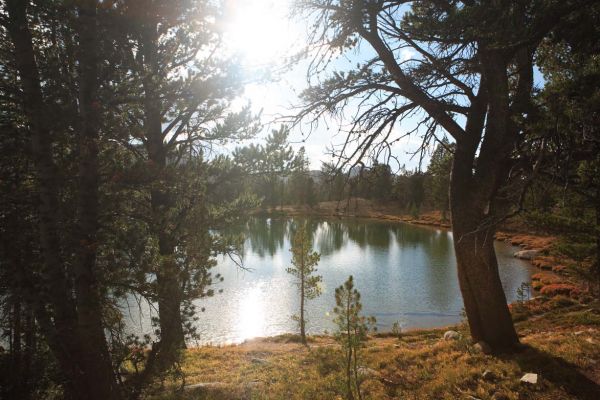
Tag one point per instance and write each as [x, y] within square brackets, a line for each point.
[405, 273]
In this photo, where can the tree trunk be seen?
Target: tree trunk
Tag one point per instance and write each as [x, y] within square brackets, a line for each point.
[170, 291]
[99, 375]
[597, 264]
[302, 296]
[483, 296]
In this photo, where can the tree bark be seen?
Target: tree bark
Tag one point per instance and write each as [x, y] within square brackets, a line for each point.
[484, 299]
[483, 296]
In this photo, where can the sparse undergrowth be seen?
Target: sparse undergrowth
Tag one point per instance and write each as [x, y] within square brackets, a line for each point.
[560, 338]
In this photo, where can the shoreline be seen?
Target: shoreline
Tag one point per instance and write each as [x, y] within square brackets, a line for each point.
[518, 239]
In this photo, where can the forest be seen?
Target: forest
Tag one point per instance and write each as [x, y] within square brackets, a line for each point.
[136, 173]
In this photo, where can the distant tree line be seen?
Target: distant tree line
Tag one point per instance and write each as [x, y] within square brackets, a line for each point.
[280, 176]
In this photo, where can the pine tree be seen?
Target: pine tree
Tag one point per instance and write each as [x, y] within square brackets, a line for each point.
[352, 332]
[304, 261]
[439, 170]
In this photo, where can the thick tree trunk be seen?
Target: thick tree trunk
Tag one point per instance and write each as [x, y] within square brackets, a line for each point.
[484, 299]
[483, 296]
[169, 307]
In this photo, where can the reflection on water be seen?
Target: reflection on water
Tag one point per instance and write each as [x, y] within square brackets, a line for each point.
[251, 310]
[405, 273]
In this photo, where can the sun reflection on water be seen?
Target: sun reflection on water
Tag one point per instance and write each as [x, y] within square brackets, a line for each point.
[251, 314]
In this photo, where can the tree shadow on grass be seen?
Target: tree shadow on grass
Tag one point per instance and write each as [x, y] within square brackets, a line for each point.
[558, 371]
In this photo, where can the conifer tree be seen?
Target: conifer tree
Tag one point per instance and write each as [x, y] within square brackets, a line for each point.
[352, 329]
[304, 262]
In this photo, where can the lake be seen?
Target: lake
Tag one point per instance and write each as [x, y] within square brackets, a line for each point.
[405, 273]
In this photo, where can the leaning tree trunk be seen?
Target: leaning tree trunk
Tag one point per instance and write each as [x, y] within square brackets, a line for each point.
[484, 299]
[473, 225]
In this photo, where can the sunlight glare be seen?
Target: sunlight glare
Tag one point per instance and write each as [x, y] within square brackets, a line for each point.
[252, 314]
[259, 30]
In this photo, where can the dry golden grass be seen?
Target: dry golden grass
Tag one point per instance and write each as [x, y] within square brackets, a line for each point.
[560, 335]
[560, 345]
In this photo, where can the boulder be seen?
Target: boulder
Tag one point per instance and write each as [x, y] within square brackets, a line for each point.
[451, 335]
[527, 254]
[530, 379]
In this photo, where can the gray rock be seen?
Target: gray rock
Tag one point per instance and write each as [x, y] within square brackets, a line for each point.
[530, 379]
[259, 361]
[451, 335]
[367, 372]
[483, 347]
[527, 254]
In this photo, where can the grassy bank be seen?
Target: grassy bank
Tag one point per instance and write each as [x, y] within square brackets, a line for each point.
[561, 340]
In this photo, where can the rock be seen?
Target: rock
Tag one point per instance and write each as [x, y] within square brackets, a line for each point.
[489, 376]
[578, 333]
[527, 254]
[451, 335]
[259, 361]
[367, 372]
[397, 346]
[483, 347]
[589, 340]
[530, 379]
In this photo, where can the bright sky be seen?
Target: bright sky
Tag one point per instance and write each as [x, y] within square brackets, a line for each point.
[262, 32]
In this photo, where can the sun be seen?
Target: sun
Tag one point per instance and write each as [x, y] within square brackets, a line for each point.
[260, 30]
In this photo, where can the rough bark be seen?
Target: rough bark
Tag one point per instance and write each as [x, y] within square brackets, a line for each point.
[474, 209]
[484, 299]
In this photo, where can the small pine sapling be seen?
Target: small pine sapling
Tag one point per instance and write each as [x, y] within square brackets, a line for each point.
[304, 262]
[352, 329]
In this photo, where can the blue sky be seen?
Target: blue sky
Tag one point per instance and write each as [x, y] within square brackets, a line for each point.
[261, 32]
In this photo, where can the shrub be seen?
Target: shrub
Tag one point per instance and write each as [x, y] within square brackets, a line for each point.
[559, 288]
